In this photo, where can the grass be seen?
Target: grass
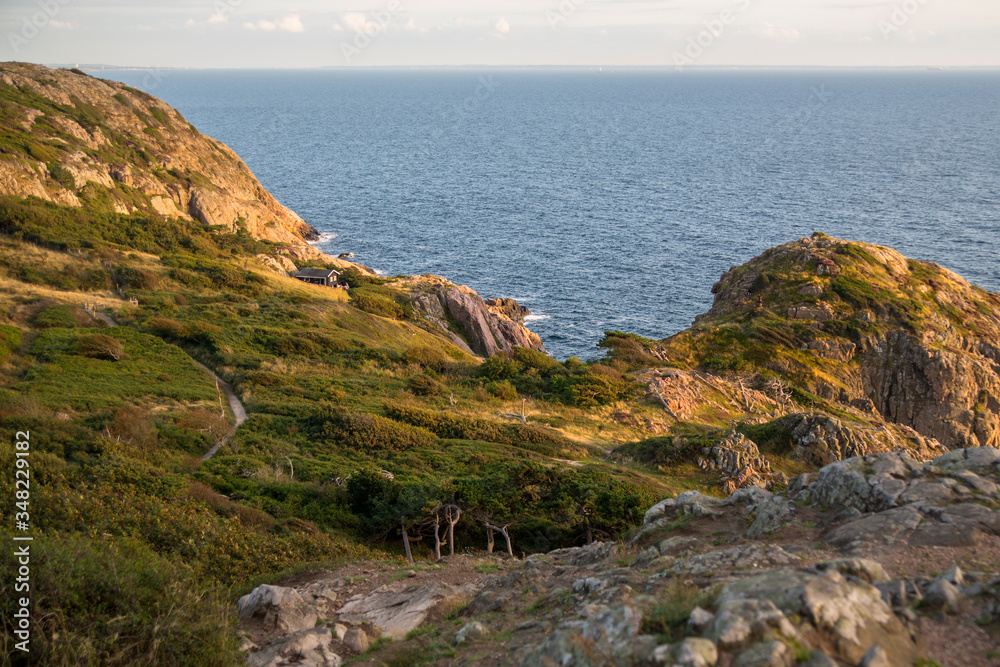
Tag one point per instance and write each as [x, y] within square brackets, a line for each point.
[155, 371]
[668, 618]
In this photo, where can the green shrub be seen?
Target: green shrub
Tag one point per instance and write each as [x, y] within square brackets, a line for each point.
[503, 390]
[458, 427]
[116, 602]
[378, 305]
[168, 328]
[137, 278]
[424, 385]
[428, 357]
[61, 175]
[367, 432]
[295, 345]
[10, 340]
[500, 367]
[594, 389]
[56, 316]
[534, 359]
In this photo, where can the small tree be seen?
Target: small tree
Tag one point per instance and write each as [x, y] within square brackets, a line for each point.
[101, 346]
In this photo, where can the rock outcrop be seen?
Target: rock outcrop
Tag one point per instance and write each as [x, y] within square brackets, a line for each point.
[485, 330]
[909, 341]
[94, 140]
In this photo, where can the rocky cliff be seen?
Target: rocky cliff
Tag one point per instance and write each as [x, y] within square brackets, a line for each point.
[865, 327]
[483, 327]
[76, 140]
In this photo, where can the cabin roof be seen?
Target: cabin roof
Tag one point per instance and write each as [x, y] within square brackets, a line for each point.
[317, 273]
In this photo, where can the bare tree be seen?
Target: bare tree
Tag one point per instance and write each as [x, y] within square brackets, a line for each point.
[406, 542]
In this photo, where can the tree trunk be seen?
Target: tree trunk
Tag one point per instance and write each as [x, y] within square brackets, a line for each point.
[437, 537]
[489, 541]
[506, 536]
[452, 513]
[590, 534]
[406, 545]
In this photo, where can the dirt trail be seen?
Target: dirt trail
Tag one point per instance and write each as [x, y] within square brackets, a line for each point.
[239, 412]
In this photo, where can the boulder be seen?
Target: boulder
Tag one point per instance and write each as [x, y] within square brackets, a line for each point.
[610, 637]
[394, 612]
[356, 639]
[470, 632]
[278, 608]
[306, 648]
[696, 652]
[850, 611]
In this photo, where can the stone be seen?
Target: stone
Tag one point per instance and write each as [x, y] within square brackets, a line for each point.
[862, 568]
[695, 503]
[470, 632]
[699, 620]
[744, 557]
[953, 575]
[770, 516]
[766, 654]
[306, 648]
[820, 313]
[588, 585]
[945, 595]
[356, 639]
[818, 659]
[659, 511]
[646, 558]
[849, 610]
[895, 525]
[875, 657]
[339, 631]
[283, 609]
[673, 546]
[610, 637]
[741, 621]
[696, 652]
[980, 484]
[394, 612]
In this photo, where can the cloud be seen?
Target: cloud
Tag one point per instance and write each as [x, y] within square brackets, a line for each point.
[778, 32]
[61, 25]
[261, 25]
[411, 26]
[358, 22]
[218, 17]
[502, 26]
[291, 23]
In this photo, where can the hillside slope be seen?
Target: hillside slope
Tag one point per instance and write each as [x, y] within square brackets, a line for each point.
[76, 140]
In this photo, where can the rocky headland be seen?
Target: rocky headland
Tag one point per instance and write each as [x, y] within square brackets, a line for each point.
[807, 476]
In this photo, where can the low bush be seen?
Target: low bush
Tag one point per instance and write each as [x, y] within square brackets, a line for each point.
[116, 602]
[367, 432]
[378, 305]
[425, 385]
[55, 315]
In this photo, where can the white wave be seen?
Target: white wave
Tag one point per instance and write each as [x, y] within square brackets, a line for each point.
[325, 237]
[536, 318]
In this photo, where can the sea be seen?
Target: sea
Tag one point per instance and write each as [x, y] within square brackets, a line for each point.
[611, 199]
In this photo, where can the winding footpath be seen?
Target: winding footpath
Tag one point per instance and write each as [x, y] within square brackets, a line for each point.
[239, 412]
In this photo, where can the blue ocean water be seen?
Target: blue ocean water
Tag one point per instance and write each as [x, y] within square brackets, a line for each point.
[612, 199]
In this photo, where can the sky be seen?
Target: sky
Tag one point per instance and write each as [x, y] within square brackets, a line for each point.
[368, 33]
